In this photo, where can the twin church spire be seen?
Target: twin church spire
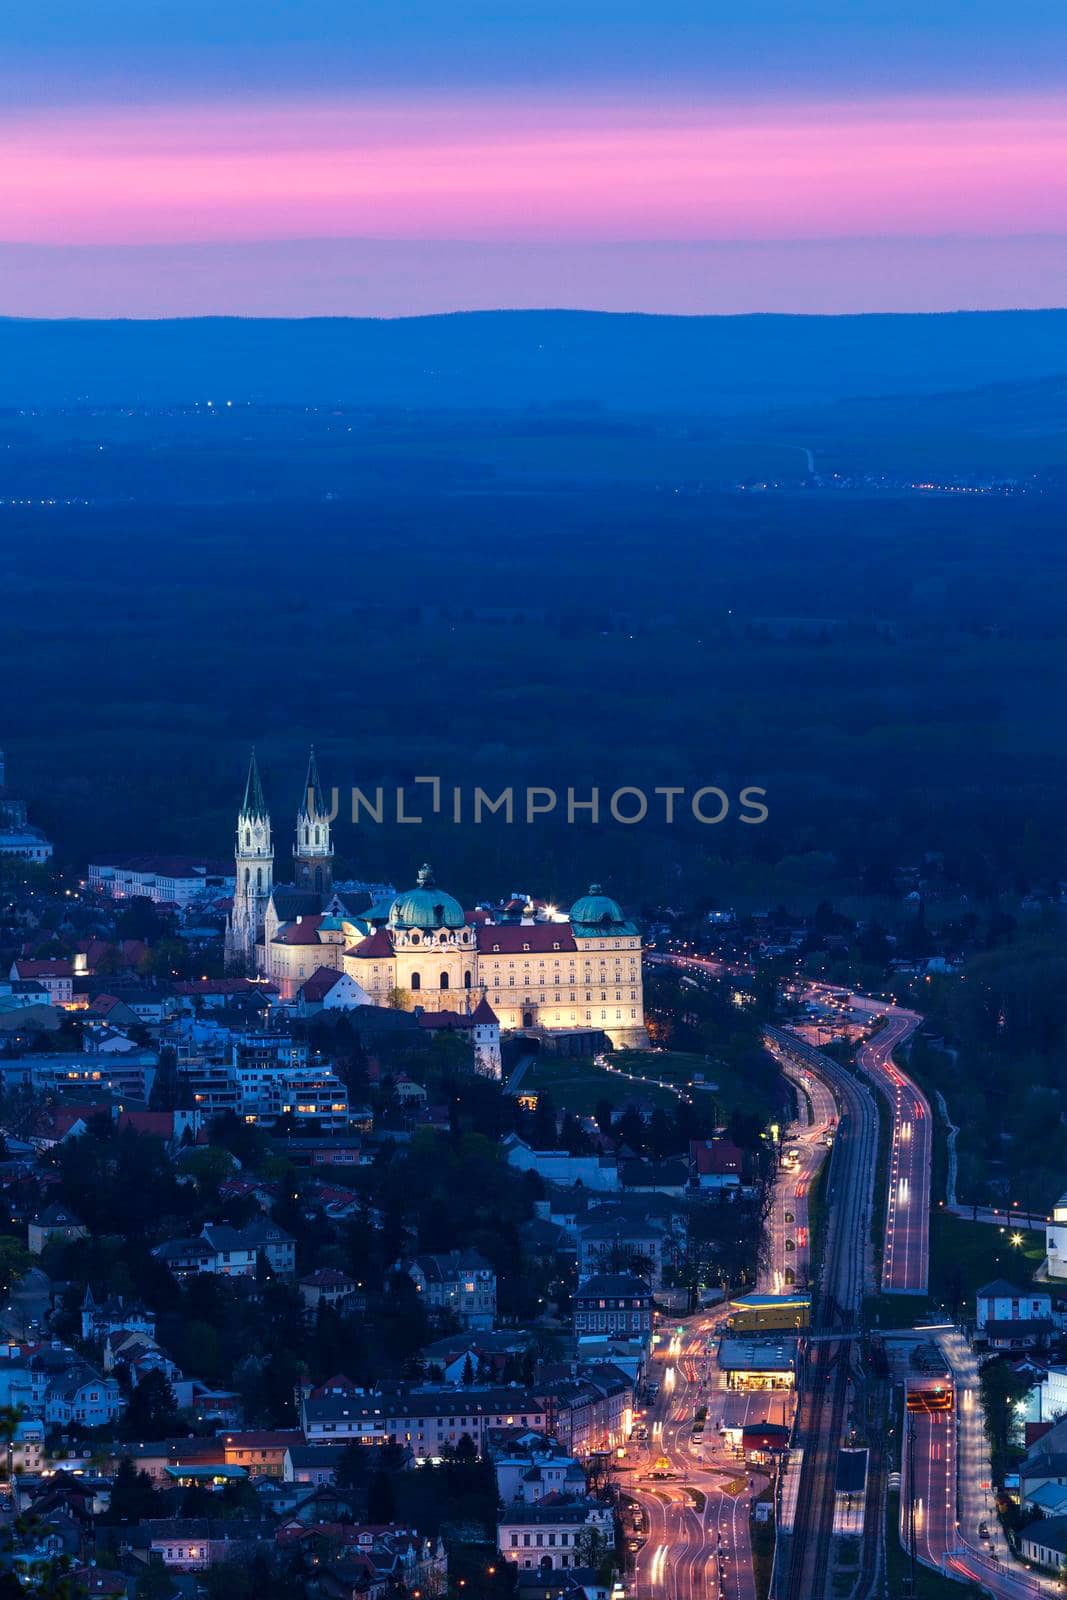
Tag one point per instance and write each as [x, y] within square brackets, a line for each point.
[254, 860]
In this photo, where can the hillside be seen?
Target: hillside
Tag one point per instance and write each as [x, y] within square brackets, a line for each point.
[544, 358]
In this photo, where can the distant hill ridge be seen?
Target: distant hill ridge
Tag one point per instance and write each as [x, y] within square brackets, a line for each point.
[523, 358]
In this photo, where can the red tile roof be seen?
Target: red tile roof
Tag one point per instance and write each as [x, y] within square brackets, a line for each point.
[305, 930]
[512, 938]
[54, 968]
[376, 946]
[715, 1157]
[160, 1124]
[322, 980]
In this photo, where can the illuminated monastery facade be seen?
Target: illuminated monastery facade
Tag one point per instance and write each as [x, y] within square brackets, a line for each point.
[536, 966]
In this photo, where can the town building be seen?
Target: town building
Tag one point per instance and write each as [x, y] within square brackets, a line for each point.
[230, 1252]
[1056, 1240]
[55, 975]
[1011, 1318]
[165, 880]
[620, 1245]
[423, 1420]
[54, 1222]
[715, 1165]
[613, 1302]
[461, 1282]
[555, 1532]
[1045, 1543]
[758, 1364]
[18, 838]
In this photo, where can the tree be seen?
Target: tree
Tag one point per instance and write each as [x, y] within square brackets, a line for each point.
[152, 1411]
[381, 1502]
[133, 1495]
[352, 1468]
[14, 1263]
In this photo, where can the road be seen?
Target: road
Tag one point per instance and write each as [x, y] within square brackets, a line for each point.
[960, 1466]
[788, 1240]
[696, 1536]
[826, 1373]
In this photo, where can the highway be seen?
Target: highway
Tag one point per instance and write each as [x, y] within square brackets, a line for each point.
[906, 1244]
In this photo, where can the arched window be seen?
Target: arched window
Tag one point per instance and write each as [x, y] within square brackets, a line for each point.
[444, 980]
[248, 877]
[248, 838]
[316, 833]
[259, 880]
[416, 981]
[467, 978]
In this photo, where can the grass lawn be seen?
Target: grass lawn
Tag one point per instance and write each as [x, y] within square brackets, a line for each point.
[577, 1084]
[722, 1083]
[965, 1255]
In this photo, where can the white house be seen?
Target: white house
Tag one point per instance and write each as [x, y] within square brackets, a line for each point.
[330, 990]
[1045, 1542]
[56, 976]
[556, 1166]
[555, 1532]
[1012, 1318]
[1001, 1301]
[1056, 1240]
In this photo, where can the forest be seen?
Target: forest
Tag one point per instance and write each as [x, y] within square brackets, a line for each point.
[522, 599]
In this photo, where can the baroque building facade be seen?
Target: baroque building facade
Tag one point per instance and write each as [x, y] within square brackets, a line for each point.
[538, 968]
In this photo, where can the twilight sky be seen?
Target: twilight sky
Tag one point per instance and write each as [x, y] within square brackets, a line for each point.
[295, 157]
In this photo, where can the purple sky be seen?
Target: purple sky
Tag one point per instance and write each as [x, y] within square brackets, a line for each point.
[324, 157]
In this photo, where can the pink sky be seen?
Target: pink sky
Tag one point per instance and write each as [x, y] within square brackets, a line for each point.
[534, 170]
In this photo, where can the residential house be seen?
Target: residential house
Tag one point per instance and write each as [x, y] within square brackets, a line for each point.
[461, 1282]
[108, 1316]
[230, 1252]
[1011, 1318]
[556, 1532]
[613, 1302]
[556, 1166]
[54, 1222]
[309, 1463]
[591, 1410]
[531, 1465]
[329, 990]
[327, 1287]
[1045, 1543]
[621, 1246]
[424, 1420]
[716, 1166]
[55, 975]
[261, 1454]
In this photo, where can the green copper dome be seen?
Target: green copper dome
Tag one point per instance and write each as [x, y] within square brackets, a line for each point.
[596, 907]
[425, 907]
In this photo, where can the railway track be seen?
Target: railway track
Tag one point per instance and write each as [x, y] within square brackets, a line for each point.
[802, 1559]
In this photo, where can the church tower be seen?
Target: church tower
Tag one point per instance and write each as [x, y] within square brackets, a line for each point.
[313, 850]
[254, 861]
